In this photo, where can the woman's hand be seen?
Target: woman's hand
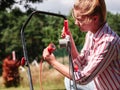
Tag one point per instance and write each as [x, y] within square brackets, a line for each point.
[49, 57]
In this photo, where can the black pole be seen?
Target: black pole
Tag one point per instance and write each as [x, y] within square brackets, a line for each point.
[71, 64]
[24, 44]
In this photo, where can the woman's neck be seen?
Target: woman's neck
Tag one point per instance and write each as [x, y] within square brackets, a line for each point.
[98, 27]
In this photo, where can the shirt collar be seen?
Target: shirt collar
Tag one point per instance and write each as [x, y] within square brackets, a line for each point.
[100, 31]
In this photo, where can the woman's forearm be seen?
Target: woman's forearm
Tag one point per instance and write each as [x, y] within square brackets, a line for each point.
[61, 68]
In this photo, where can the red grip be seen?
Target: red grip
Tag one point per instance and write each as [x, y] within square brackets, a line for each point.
[66, 26]
[65, 31]
[51, 48]
[23, 61]
[76, 68]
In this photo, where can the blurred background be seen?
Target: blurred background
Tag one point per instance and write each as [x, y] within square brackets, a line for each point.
[40, 31]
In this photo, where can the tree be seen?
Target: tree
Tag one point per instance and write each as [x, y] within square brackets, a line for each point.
[9, 3]
[10, 24]
[40, 31]
[114, 21]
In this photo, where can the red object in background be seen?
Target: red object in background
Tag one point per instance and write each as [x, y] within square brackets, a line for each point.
[10, 72]
[51, 48]
[23, 61]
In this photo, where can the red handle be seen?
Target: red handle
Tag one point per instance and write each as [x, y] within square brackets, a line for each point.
[65, 31]
[23, 61]
[76, 68]
[66, 26]
[51, 48]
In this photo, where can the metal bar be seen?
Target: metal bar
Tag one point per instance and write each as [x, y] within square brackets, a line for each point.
[24, 44]
[71, 65]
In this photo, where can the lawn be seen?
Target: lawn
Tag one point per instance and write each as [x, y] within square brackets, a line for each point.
[51, 79]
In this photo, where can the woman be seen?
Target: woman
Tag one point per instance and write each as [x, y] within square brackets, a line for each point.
[99, 60]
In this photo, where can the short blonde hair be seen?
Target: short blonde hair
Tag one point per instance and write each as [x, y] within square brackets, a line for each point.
[88, 7]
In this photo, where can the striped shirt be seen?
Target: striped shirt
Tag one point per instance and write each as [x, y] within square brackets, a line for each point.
[100, 60]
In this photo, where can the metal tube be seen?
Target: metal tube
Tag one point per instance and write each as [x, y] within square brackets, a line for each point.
[24, 44]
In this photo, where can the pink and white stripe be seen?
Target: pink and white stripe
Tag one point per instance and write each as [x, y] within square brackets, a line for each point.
[100, 60]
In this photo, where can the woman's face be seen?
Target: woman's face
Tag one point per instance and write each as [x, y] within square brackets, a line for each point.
[84, 22]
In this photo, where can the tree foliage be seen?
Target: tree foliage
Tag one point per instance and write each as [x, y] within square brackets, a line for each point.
[40, 31]
[114, 22]
[4, 4]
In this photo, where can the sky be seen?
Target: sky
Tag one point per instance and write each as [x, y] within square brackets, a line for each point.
[64, 6]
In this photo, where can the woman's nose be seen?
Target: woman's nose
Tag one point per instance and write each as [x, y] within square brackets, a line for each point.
[78, 23]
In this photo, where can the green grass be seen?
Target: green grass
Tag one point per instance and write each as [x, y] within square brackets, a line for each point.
[49, 83]
[28, 88]
[18, 88]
